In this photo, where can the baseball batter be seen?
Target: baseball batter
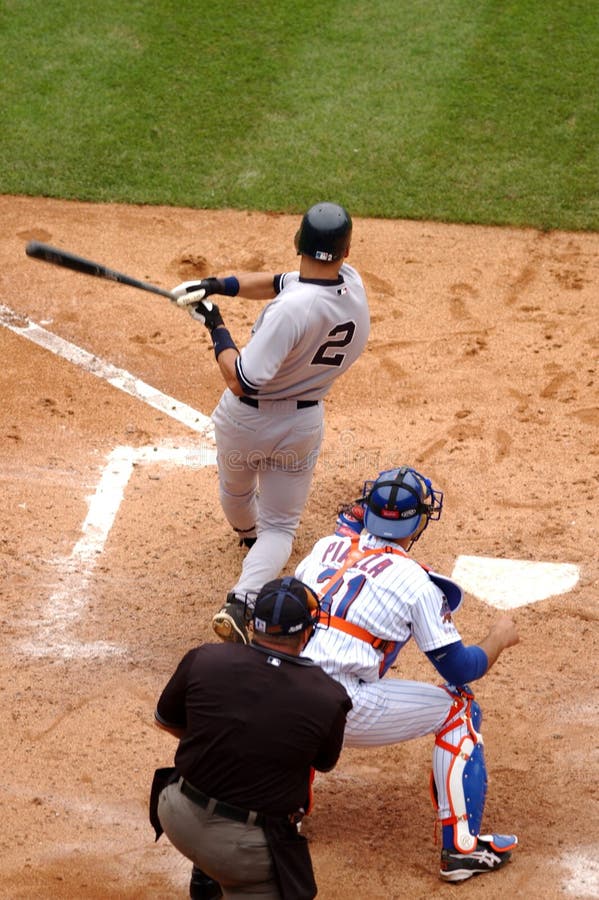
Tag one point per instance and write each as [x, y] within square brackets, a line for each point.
[269, 420]
[375, 598]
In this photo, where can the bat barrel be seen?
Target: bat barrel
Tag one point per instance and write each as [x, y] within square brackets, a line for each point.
[58, 257]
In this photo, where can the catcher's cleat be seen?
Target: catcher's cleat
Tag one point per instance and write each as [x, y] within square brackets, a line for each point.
[492, 852]
[230, 623]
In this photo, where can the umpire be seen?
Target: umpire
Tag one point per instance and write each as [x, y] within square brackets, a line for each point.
[253, 722]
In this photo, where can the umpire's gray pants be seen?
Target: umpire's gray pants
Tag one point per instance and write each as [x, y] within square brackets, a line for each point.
[235, 855]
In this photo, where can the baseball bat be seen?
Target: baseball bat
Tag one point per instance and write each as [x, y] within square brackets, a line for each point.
[58, 257]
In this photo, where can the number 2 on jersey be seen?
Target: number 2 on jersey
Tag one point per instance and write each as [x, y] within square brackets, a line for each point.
[342, 335]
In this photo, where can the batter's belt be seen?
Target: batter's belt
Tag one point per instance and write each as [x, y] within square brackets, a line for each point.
[300, 404]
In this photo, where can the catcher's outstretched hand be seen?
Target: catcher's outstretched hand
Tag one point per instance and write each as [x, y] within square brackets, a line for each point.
[207, 313]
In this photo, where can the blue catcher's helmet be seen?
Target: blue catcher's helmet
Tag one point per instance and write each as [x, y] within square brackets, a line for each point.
[400, 504]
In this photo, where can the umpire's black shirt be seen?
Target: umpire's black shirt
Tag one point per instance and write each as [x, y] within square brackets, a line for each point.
[256, 721]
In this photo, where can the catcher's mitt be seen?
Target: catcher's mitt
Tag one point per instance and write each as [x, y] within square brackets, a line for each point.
[350, 518]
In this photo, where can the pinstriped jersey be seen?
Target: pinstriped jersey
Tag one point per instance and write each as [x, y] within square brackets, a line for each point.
[306, 337]
[388, 595]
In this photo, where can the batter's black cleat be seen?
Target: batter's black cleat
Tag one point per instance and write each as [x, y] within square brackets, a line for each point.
[230, 622]
[492, 852]
[202, 887]
[247, 537]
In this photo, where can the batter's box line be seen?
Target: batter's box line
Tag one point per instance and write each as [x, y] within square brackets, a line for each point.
[118, 378]
[67, 605]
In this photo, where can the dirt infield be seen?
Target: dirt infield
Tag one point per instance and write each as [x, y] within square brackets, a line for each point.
[481, 371]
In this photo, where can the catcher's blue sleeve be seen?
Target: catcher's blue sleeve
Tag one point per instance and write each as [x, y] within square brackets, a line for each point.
[458, 664]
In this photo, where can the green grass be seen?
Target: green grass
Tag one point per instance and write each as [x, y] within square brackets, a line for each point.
[451, 111]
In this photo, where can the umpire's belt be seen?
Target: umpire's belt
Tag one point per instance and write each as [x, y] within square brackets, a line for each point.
[300, 404]
[246, 816]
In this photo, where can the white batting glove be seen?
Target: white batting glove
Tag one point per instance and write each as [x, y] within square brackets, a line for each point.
[189, 292]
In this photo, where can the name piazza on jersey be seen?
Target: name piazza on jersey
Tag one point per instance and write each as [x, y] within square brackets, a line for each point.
[372, 565]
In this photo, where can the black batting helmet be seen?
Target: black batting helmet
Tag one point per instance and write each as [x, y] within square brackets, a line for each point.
[325, 232]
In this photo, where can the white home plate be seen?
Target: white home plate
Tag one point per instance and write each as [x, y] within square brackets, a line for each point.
[583, 880]
[508, 583]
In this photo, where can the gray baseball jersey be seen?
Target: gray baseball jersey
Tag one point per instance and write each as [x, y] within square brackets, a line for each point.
[305, 338]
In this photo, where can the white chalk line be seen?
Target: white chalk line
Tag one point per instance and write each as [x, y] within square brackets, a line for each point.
[67, 604]
[118, 378]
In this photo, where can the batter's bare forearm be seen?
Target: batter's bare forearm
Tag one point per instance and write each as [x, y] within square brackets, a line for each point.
[226, 364]
[256, 285]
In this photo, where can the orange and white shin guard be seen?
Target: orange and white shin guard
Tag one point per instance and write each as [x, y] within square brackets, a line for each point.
[464, 788]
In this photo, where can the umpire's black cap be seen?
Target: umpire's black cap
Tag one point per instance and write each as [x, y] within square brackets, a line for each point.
[285, 606]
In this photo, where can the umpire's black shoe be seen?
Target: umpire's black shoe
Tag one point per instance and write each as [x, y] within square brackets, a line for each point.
[492, 852]
[202, 887]
[230, 622]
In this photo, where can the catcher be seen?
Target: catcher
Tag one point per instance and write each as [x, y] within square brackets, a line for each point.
[374, 599]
